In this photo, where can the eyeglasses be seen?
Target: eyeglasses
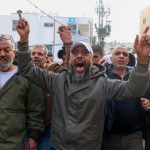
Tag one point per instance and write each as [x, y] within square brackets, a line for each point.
[6, 37]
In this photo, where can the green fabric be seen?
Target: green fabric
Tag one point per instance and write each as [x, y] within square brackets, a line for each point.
[21, 107]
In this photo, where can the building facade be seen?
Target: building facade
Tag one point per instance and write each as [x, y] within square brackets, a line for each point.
[44, 29]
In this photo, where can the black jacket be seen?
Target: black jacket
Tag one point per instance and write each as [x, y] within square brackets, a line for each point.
[123, 117]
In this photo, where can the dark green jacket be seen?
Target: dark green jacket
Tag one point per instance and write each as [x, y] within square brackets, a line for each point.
[21, 107]
[79, 109]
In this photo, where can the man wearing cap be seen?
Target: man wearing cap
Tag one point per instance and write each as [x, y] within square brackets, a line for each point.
[81, 92]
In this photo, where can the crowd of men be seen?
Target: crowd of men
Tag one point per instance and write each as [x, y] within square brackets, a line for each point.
[85, 103]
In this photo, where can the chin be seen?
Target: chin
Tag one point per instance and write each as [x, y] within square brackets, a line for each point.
[79, 71]
[79, 75]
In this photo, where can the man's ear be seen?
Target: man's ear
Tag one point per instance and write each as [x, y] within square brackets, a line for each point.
[15, 51]
[128, 60]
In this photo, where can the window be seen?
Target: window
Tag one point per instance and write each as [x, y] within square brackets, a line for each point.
[144, 20]
[48, 46]
[73, 27]
[14, 24]
[83, 29]
[48, 24]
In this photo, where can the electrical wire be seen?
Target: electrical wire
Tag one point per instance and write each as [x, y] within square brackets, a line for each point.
[44, 12]
[53, 19]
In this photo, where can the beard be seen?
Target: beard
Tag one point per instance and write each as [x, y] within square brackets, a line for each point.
[4, 67]
[80, 77]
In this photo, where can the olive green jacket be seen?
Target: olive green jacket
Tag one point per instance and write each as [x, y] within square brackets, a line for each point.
[21, 108]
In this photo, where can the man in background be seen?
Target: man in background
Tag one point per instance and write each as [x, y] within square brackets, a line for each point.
[39, 56]
[97, 54]
[124, 121]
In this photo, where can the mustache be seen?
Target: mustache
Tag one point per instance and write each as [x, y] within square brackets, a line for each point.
[4, 58]
[80, 63]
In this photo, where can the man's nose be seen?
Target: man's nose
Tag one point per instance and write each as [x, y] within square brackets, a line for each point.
[2, 52]
[121, 55]
[79, 55]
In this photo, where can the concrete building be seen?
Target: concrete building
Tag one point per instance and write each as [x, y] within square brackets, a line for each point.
[44, 29]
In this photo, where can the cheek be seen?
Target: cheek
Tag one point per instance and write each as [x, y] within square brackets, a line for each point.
[89, 60]
[72, 59]
[10, 57]
[13, 55]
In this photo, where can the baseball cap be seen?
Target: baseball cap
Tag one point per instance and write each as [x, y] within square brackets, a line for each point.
[87, 45]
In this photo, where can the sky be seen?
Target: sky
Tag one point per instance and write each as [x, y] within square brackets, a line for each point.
[124, 14]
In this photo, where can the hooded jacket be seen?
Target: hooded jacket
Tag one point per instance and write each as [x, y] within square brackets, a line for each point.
[79, 109]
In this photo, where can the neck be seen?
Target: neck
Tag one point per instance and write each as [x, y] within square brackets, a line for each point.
[120, 73]
[11, 68]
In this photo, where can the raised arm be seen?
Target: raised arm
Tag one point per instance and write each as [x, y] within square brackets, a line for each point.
[25, 64]
[23, 29]
[138, 81]
[142, 47]
[66, 36]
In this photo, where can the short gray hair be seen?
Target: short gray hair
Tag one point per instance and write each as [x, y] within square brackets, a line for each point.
[42, 46]
[119, 46]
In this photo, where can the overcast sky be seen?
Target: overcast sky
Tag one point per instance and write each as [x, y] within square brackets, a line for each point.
[124, 13]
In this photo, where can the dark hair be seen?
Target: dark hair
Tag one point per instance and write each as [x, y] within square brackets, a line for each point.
[131, 60]
[61, 53]
[50, 53]
[97, 49]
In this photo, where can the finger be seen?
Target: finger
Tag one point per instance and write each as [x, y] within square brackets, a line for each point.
[144, 101]
[26, 22]
[136, 41]
[146, 30]
[147, 39]
[69, 28]
[148, 42]
[60, 28]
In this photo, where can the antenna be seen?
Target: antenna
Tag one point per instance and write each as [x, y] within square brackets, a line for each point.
[103, 29]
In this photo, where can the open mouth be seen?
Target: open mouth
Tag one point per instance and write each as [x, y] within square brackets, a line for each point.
[36, 61]
[121, 63]
[80, 66]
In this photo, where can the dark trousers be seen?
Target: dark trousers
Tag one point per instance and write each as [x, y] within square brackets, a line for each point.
[122, 142]
[43, 142]
[147, 140]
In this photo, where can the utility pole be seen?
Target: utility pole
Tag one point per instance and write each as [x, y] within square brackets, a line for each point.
[103, 29]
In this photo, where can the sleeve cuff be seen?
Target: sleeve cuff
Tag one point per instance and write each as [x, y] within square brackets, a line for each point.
[23, 46]
[141, 68]
[34, 134]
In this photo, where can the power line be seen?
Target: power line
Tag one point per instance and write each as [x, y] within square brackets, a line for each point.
[51, 16]
[44, 12]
